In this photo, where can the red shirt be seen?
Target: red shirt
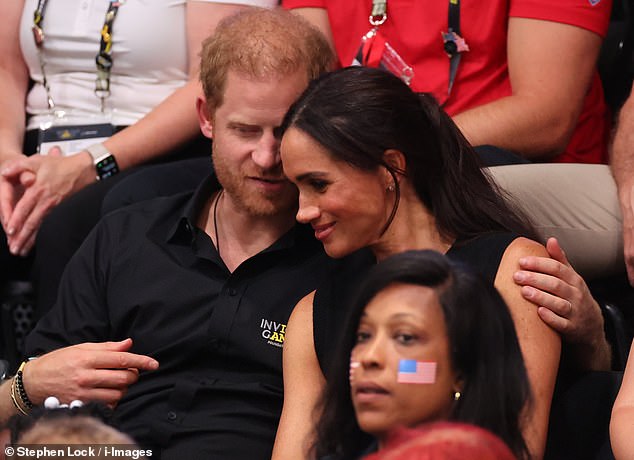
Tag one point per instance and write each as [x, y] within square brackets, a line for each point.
[414, 26]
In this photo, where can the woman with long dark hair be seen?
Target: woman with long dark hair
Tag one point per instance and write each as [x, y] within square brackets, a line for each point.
[381, 167]
[418, 308]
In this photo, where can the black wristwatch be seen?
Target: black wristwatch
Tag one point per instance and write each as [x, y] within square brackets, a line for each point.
[105, 163]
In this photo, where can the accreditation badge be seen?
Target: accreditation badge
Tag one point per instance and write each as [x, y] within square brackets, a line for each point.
[72, 137]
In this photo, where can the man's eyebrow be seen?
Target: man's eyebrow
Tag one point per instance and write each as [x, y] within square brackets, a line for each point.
[241, 124]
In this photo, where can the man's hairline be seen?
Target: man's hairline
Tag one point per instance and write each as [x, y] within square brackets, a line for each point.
[268, 77]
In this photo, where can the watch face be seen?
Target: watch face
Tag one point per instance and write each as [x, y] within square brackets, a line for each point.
[107, 167]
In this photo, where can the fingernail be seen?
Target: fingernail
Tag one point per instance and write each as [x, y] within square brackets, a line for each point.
[11, 231]
[523, 261]
[154, 364]
[528, 291]
[519, 276]
[15, 250]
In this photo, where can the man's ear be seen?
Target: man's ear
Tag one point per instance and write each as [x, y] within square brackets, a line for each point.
[204, 117]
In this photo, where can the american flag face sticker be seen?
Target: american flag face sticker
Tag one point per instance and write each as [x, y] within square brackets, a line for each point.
[420, 372]
[353, 366]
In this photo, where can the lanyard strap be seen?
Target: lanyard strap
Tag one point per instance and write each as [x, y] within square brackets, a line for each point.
[454, 43]
[103, 59]
[38, 37]
[104, 56]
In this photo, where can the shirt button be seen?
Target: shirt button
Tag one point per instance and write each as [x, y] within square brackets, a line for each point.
[233, 292]
[171, 416]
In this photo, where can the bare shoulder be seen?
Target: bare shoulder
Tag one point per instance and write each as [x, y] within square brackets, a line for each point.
[521, 247]
[301, 319]
[299, 348]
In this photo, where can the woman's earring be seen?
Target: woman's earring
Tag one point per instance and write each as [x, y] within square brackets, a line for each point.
[390, 188]
[456, 396]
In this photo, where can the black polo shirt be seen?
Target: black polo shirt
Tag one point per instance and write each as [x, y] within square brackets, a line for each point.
[149, 273]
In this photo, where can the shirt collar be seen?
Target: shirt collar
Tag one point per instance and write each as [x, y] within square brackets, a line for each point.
[182, 230]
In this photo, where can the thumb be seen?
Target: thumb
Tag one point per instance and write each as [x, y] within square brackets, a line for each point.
[122, 345]
[555, 251]
[27, 178]
[55, 151]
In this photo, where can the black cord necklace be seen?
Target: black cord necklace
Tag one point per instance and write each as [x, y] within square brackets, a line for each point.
[216, 221]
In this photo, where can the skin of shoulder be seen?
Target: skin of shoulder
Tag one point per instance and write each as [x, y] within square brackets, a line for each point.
[303, 383]
[622, 420]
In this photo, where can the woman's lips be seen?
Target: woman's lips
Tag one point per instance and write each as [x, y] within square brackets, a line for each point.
[366, 392]
[323, 231]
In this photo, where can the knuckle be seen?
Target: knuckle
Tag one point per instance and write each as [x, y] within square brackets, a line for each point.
[82, 379]
[121, 360]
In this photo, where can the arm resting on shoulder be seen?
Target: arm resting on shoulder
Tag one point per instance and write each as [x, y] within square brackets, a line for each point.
[565, 303]
[541, 346]
[303, 383]
[550, 68]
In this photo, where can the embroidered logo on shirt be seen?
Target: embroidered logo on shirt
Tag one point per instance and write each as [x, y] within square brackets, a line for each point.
[273, 332]
[594, 2]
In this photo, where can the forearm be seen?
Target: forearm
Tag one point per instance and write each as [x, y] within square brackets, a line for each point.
[622, 420]
[622, 161]
[7, 408]
[551, 66]
[13, 86]
[592, 356]
[14, 79]
[168, 126]
[520, 123]
[621, 429]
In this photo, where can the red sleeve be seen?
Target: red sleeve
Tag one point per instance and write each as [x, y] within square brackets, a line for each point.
[593, 15]
[290, 4]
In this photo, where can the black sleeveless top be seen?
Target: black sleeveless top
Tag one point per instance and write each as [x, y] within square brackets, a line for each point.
[483, 254]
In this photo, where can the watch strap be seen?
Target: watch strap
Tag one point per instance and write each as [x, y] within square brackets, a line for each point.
[98, 152]
[105, 163]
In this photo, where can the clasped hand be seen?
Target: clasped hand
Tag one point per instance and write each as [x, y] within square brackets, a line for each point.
[31, 186]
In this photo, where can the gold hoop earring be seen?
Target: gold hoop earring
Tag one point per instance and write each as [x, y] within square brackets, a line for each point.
[456, 396]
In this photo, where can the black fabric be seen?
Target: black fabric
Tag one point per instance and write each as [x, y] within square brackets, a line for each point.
[149, 273]
[482, 254]
[579, 427]
[494, 156]
[67, 225]
[158, 180]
